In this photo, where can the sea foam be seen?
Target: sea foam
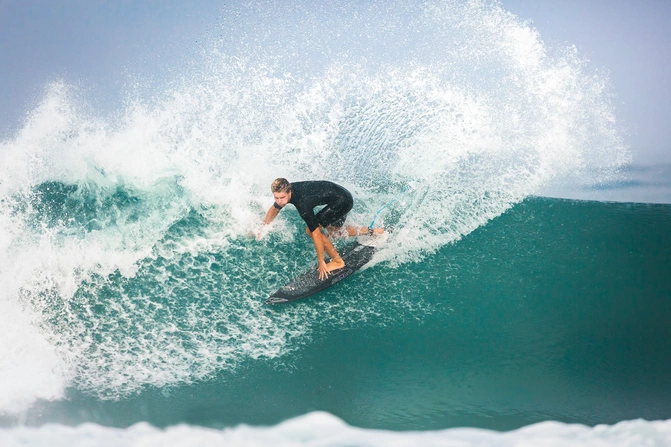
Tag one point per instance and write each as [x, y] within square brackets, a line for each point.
[323, 429]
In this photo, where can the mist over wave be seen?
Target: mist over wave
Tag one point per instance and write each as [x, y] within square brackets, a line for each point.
[124, 235]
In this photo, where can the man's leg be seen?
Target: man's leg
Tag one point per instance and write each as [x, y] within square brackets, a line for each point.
[351, 231]
[336, 261]
[361, 231]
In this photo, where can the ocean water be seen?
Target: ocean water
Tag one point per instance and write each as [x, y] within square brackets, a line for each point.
[131, 283]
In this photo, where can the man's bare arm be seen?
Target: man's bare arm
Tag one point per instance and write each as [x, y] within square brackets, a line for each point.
[270, 216]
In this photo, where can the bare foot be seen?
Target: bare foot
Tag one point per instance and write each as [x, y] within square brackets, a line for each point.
[335, 265]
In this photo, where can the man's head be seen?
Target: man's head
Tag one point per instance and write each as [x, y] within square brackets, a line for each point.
[280, 185]
[281, 189]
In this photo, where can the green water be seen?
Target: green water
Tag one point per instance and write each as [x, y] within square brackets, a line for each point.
[556, 310]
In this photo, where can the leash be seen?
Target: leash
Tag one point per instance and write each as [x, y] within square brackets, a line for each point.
[370, 227]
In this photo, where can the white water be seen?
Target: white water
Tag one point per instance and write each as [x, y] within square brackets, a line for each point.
[325, 430]
[479, 115]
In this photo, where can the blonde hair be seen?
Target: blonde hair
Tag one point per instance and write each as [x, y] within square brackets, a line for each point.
[280, 185]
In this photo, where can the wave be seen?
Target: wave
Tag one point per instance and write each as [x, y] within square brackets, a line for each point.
[555, 310]
[107, 220]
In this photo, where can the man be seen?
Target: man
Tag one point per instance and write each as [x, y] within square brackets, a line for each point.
[305, 196]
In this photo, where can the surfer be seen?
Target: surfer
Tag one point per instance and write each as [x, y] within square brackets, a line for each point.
[305, 196]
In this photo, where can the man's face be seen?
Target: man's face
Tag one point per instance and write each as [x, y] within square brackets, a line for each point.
[282, 198]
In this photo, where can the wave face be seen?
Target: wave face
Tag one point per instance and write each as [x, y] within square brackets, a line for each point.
[125, 262]
[555, 310]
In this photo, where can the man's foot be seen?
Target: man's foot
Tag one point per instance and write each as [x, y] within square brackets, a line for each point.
[335, 265]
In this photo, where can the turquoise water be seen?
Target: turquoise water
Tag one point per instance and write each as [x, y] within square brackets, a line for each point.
[556, 310]
[132, 286]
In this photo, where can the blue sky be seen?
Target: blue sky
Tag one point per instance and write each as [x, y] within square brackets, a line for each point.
[96, 44]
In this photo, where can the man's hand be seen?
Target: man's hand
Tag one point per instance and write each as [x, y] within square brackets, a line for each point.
[270, 216]
[323, 273]
[261, 232]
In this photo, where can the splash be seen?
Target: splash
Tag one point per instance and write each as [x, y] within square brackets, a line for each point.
[124, 255]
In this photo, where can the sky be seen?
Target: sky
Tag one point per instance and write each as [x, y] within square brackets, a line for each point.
[630, 39]
[96, 44]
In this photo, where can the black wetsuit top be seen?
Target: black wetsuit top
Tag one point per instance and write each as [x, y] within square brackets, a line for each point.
[305, 196]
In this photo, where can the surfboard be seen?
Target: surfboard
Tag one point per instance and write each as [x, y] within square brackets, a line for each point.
[355, 255]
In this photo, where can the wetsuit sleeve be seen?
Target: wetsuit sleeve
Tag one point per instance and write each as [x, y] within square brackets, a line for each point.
[277, 207]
